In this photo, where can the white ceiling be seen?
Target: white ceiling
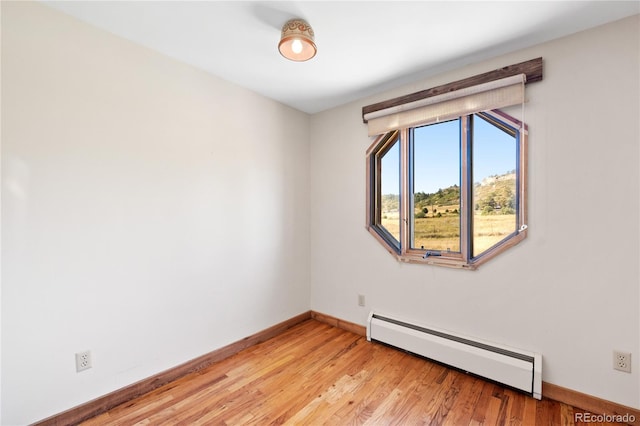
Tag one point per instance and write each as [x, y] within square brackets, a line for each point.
[364, 47]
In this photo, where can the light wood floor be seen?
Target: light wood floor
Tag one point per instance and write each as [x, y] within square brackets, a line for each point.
[315, 374]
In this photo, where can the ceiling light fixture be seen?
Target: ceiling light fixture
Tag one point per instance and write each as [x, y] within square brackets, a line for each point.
[297, 41]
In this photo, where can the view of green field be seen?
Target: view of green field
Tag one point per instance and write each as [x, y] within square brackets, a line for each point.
[436, 224]
[442, 233]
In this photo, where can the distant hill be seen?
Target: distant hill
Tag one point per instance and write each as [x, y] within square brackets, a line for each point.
[494, 194]
[444, 197]
[390, 203]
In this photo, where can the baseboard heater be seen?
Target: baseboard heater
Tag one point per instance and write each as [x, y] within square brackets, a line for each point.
[512, 367]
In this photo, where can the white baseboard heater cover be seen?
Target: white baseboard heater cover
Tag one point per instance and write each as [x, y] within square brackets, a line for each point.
[513, 367]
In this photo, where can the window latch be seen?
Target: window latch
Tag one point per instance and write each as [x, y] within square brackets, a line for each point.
[431, 253]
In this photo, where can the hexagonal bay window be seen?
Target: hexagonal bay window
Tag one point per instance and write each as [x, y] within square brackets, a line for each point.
[448, 191]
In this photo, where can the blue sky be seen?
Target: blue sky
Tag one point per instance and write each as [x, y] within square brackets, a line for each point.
[437, 156]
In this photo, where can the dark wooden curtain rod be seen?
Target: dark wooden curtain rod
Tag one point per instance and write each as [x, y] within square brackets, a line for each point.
[532, 69]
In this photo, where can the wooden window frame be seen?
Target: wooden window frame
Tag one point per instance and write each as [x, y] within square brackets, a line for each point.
[463, 259]
[381, 146]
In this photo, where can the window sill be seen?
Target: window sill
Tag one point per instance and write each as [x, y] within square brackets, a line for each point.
[417, 256]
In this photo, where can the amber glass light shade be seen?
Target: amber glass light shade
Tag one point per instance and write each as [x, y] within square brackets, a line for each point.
[297, 41]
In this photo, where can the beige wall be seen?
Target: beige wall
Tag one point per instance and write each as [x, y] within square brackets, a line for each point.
[151, 212]
[571, 290]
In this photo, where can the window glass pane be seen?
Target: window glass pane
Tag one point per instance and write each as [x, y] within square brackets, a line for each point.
[435, 213]
[390, 190]
[494, 159]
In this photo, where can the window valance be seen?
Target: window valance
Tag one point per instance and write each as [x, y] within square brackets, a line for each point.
[490, 90]
[481, 97]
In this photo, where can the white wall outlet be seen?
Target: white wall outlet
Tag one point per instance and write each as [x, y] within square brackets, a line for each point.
[83, 361]
[361, 300]
[622, 361]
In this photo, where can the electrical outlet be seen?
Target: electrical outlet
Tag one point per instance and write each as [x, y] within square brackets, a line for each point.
[361, 300]
[83, 361]
[622, 361]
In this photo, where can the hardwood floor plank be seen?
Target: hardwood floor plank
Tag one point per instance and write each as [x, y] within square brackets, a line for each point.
[530, 408]
[485, 409]
[418, 394]
[421, 394]
[551, 411]
[307, 384]
[463, 408]
[515, 411]
[385, 376]
[566, 414]
[314, 374]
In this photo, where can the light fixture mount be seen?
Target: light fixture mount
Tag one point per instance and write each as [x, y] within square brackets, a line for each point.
[297, 41]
